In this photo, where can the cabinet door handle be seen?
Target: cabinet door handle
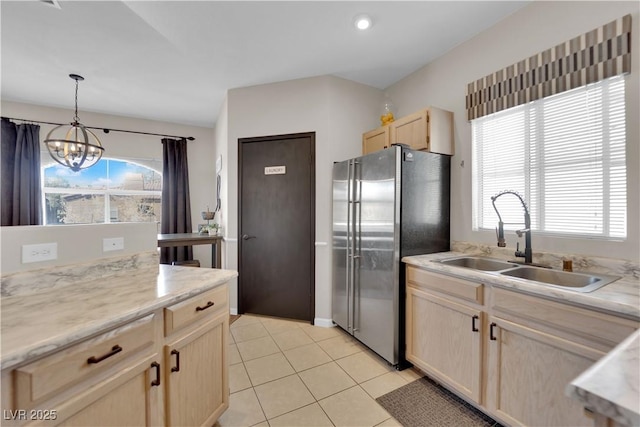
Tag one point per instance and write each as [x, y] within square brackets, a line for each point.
[156, 382]
[209, 304]
[474, 326]
[114, 350]
[492, 337]
[177, 367]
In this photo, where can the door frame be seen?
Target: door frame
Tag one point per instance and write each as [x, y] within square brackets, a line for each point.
[312, 211]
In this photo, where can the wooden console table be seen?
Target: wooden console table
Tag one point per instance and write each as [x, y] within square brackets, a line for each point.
[190, 239]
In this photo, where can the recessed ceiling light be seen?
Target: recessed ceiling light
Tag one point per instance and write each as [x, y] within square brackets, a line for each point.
[52, 3]
[362, 22]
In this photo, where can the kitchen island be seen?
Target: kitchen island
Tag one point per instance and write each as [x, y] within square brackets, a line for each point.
[150, 341]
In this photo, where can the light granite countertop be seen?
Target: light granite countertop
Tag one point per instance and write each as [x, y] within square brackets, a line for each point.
[621, 297]
[38, 323]
[611, 386]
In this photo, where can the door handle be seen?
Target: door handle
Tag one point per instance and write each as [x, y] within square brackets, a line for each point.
[247, 237]
[474, 326]
[177, 367]
[156, 382]
[492, 336]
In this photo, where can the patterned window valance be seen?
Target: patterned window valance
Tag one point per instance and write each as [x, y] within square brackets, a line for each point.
[593, 56]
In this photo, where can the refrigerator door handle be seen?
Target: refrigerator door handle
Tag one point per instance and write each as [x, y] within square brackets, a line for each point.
[356, 292]
[357, 241]
[349, 290]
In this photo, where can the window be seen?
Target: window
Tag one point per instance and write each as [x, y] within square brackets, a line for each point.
[110, 191]
[564, 154]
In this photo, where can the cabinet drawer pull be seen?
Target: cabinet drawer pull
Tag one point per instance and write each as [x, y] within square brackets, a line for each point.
[177, 367]
[156, 382]
[474, 326]
[209, 304]
[492, 337]
[114, 350]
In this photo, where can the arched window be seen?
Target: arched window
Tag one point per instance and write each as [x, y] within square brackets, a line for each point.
[112, 190]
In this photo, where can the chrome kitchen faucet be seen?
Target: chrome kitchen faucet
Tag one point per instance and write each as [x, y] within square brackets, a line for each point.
[528, 252]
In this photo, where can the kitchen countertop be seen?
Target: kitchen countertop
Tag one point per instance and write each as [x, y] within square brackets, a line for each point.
[39, 323]
[610, 387]
[621, 297]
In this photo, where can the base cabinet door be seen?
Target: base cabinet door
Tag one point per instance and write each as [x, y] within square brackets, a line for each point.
[528, 373]
[197, 384]
[444, 340]
[126, 399]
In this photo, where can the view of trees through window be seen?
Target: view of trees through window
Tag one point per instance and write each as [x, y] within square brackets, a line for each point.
[110, 191]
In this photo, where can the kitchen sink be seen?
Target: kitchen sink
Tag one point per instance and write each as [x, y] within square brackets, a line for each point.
[478, 263]
[577, 282]
[581, 282]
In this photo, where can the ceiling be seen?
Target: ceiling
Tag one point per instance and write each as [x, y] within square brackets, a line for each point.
[174, 61]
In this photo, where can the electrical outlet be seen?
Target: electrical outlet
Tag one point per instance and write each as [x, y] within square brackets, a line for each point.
[39, 252]
[113, 244]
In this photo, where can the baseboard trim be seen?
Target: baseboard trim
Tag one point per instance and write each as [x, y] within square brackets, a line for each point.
[233, 311]
[325, 323]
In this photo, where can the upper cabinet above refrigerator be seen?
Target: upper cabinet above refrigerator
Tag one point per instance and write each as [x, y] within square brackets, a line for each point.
[430, 129]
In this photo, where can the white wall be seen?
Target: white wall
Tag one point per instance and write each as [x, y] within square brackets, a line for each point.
[338, 111]
[537, 27]
[229, 244]
[76, 243]
[135, 146]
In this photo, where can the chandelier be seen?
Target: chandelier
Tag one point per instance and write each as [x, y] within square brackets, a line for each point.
[73, 145]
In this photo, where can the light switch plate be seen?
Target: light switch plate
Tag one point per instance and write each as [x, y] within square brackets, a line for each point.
[113, 244]
[39, 252]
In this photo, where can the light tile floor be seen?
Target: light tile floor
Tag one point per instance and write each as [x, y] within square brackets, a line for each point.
[289, 373]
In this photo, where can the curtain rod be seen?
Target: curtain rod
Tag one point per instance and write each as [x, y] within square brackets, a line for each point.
[105, 130]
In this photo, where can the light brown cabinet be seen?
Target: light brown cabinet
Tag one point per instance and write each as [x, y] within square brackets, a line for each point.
[166, 368]
[528, 372]
[375, 140]
[444, 339]
[544, 345]
[196, 365]
[430, 129]
[444, 324]
[197, 385]
[525, 351]
[129, 398]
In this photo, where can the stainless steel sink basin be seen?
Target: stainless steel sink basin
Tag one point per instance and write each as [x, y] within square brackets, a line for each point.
[478, 263]
[580, 282]
[577, 282]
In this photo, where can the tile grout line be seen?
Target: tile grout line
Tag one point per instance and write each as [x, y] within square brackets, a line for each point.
[297, 373]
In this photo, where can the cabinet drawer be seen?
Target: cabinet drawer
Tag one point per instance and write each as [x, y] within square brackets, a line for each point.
[40, 380]
[195, 308]
[469, 291]
[600, 330]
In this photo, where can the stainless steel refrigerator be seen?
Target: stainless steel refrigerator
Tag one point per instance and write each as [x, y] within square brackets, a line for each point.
[386, 205]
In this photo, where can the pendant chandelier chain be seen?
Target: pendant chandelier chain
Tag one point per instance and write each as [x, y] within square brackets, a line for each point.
[75, 117]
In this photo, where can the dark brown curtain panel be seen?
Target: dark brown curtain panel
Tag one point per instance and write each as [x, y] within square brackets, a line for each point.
[176, 205]
[21, 202]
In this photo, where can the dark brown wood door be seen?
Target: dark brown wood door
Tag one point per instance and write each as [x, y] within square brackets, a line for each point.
[277, 225]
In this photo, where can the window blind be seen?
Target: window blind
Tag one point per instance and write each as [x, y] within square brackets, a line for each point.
[565, 155]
